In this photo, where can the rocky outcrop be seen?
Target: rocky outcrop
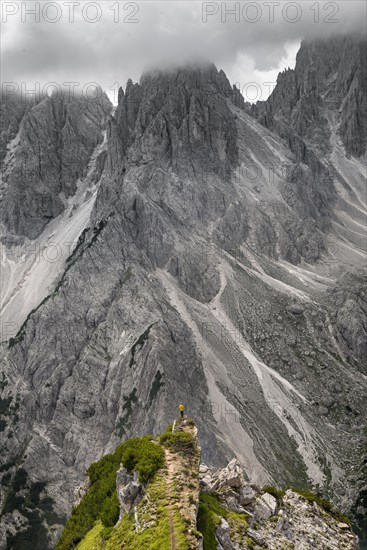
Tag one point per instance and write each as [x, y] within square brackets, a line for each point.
[348, 314]
[57, 137]
[129, 490]
[274, 522]
[229, 483]
[329, 74]
[179, 119]
[185, 503]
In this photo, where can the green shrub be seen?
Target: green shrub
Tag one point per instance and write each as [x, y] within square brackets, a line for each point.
[143, 456]
[209, 515]
[100, 501]
[178, 441]
[110, 511]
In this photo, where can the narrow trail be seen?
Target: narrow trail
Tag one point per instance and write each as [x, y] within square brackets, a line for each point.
[172, 469]
[179, 493]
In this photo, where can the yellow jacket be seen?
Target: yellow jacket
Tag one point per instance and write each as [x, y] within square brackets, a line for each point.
[181, 407]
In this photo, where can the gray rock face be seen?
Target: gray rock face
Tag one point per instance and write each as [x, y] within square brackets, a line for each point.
[179, 120]
[206, 227]
[12, 110]
[329, 73]
[57, 137]
[349, 313]
[129, 491]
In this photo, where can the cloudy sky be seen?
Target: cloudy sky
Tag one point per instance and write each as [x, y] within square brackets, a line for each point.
[109, 41]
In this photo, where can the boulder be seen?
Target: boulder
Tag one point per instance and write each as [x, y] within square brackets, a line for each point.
[223, 536]
[232, 475]
[209, 483]
[256, 537]
[295, 309]
[232, 503]
[265, 506]
[247, 495]
[344, 526]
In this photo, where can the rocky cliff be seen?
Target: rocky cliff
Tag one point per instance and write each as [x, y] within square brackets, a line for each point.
[194, 255]
[330, 75]
[52, 142]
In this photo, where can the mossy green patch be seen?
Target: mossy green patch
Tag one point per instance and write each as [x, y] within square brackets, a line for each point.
[155, 537]
[178, 441]
[156, 386]
[100, 501]
[139, 344]
[93, 539]
[209, 517]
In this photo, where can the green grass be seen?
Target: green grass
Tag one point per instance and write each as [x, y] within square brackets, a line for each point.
[90, 526]
[209, 514]
[178, 441]
[156, 537]
[100, 502]
[93, 539]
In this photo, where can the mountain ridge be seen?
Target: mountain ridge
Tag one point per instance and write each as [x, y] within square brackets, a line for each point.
[199, 267]
[211, 509]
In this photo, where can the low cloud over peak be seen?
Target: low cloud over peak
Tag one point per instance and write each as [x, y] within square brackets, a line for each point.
[110, 41]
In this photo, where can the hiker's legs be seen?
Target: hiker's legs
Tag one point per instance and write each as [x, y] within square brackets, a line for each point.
[182, 414]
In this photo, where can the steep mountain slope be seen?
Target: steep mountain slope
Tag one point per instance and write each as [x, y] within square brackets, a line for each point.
[209, 269]
[167, 510]
[47, 194]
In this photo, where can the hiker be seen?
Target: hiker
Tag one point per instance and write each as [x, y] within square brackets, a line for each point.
[181, 408]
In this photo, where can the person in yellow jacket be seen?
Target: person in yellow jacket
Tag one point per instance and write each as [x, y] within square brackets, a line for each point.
[181, 408]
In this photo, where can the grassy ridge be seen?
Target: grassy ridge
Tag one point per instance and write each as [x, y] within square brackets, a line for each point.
[100, 502]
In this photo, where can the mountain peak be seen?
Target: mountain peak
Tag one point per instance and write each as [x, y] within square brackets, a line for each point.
[178, 117]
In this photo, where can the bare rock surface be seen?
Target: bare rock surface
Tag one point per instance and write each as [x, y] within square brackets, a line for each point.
[278, 522]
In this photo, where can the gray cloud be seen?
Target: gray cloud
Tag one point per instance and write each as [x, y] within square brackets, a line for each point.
[252, 48]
